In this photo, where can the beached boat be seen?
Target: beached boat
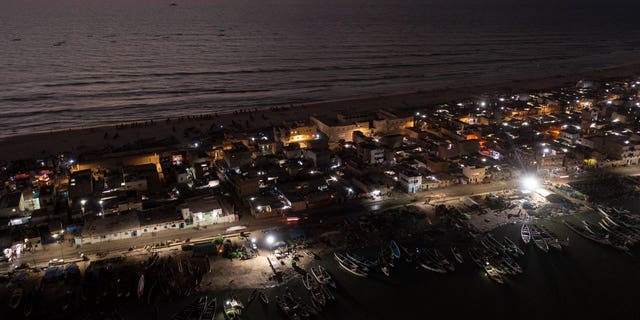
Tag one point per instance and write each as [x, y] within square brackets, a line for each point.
[27, 305]
[318, 296]
[263, 297]
[385, 270]
[457, 254]
[233, 308]
[365, 264]
[514, 247]
[512, 264]
[140, 289]
[323, 277]
[151, 262]
[552, 241]
[308, 282]
[493, 273]
[428, 263]
[595, 230]
[340, 257]
[383, 262]
[327, 292]
[209, 312]
[476, 257]
[583, 232]
[16, 298]
[488, 247]
[443, 260]
[395, 250]
[296, 304]
[193, 311]
[495, 243]
[407, 254]
[252, 296]
[286, 309]
[525, 233]
[352, 268]
[538, 240]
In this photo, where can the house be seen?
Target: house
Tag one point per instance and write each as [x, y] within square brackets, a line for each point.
[410, 180]
[299, 132]
[370, 153]
[473, 174]
[237, 155]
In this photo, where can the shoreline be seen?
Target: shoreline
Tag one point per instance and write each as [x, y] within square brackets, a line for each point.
[114, 136]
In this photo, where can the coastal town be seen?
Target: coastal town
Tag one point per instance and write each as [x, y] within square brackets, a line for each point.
[163, 210]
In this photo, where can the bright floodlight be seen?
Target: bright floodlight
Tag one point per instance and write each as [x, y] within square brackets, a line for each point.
[83, 202]
[530, 183]
[270, 240]
[253, 240]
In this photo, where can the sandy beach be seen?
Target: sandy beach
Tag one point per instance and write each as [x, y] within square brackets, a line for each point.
[186, 130]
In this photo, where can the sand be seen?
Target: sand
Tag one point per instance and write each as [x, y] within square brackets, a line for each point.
[182, 132]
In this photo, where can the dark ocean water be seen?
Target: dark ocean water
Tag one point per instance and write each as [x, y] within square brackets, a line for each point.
[69, 63]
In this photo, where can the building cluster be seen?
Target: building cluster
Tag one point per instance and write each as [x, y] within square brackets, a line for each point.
[299, 164]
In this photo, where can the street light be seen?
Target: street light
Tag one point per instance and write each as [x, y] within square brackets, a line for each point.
[82, 203]
[270, 240]
[529, 183]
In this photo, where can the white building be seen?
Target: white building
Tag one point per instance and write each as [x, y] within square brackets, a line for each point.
[473, 174]
[370, 153]
[410, 180]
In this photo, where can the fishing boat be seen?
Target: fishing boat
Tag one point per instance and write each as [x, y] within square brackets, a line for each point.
[512, 264]
[525, 233]
[140, 290]
[476, 257]
[428, 263]
[552, 241]
[594, 229]
[493, 273]
[383, 263]
[488, 247]
[27, 305]
[263, 297]
[252, 296]
[233, 308]
[406, 254]
[385, 270]
[296, 304]
[395, 250]
[327, 292]
[583, 232]
[151, 261]
[308, 282]
[340, 257]
[318, 296]
[365, 264]
[538, 240]
[323, 277]
[352, 268]
[209, 312]
[456, 254]
[192, 311]
[15, 299]
[514, 247]
[286, 309]
[495, 243]
[443, 260]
